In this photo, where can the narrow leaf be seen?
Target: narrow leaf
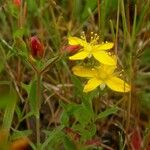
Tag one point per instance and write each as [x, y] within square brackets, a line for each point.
[107, 112]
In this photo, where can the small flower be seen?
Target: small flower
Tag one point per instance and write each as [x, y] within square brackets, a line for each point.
[20, 144]
[92, 48]
[17, 2]
[101, 76]
[37, 49]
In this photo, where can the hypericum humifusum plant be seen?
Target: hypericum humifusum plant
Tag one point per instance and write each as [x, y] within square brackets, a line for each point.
[92, 48]
[103, 72]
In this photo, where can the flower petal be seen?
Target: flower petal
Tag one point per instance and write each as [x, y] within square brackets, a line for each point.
[76, 41]
[92, 84]
[104, 58]
[84, 71]
[107, 69]
[117, 84]
[79, 56]
[105, 46]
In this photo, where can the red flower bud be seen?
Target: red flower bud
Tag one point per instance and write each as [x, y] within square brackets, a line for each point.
[17, 2]
[136, 140]
[72, 48]
[37, 48]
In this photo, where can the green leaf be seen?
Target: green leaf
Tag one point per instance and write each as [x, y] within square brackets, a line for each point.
[18, 112]
[20, 47]
[4, 82]
[75, 110]
[5, 94]
[32, 7]
[86, 131]
[19, 33]
[64, 119]
[107, 112]
[78, 87]
[68, 144]
[26, 87]
[77, 9]
[69, 108]
[50, 61]
[4, 45]
[110, 7]
[1, 66]
[89, 7]
[9, 111]
[2, 58]
[20, 134]
[86, 116]
[145, 8]
[27, 116]
[53, 138]
[145, 100]
[32, 96]
[12, 10]
[145, 59]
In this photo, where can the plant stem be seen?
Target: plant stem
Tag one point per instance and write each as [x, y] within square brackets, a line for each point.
[98, 6]
[38, 93]
[38, 103]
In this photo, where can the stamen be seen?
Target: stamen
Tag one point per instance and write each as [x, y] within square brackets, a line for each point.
[83, 36]
[92, 33]
[89, 56]
[94, 38]
[109, 53]
[102, 86]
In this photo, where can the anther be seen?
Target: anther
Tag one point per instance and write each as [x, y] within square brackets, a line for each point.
[89, 56]
[109, 53]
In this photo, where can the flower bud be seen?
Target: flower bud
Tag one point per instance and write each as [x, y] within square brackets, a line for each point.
[71, 48]
[17, 3]
[37, 48]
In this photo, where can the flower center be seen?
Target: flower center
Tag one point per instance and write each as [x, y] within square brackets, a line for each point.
[102, 75]
[88, 48]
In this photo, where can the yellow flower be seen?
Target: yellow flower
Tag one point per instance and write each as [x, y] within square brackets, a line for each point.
[92, 48]
[101, 76]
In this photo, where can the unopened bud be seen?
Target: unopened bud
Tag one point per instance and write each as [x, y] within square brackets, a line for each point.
[37, 48]
[17, 3]
[72, 48]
